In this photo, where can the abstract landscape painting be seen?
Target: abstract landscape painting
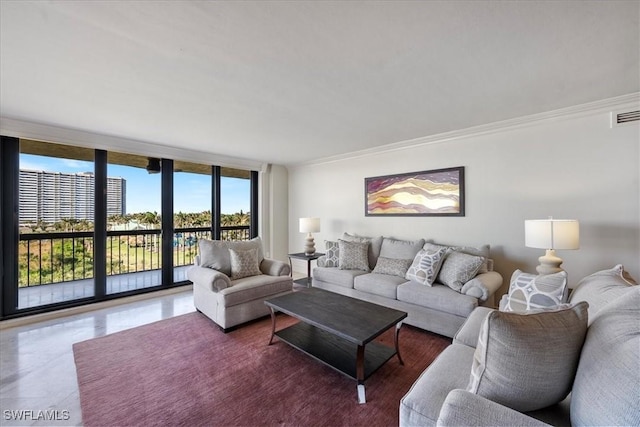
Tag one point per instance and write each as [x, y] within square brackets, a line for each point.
[435, 193]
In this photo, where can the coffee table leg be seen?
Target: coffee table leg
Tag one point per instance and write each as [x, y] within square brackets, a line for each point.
[395, 339]
[360, 374]
[273, 325]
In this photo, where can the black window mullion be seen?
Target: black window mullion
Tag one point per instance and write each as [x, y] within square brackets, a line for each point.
[167, 233]
[100, 225]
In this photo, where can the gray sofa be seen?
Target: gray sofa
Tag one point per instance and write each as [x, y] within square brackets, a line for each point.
[600, 374]
[382, 279]
[231, 280]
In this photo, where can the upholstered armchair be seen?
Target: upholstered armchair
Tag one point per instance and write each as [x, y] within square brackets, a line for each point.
[231, 280]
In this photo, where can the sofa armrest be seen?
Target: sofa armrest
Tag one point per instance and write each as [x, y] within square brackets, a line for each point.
[483, 286]
[273, 267]
[462, 408]
[470, 330]
[209, 278]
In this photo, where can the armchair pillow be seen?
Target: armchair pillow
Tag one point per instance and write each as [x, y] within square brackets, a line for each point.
[214, 254]
[528, 361]
[534, 292]
[244, 263]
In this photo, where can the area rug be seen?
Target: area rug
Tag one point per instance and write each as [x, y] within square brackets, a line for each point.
[185, 371]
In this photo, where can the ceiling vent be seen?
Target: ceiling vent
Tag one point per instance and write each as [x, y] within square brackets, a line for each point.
[619, 118]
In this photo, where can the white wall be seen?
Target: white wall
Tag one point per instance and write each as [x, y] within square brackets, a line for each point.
[569, 165]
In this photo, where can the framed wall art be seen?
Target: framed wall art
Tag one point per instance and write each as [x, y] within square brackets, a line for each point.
[437, 192]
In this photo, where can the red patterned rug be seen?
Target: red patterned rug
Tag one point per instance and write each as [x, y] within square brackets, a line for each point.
[185, 371]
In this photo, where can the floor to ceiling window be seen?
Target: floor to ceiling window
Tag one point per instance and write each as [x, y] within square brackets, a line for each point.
[92, 225]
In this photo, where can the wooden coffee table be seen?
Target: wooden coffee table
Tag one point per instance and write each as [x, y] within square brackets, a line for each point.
[338, 331]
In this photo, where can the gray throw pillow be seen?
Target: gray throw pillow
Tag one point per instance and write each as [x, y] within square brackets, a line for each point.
[332, 254]
[458, 268]
[373, 251]
[425, 266]
[534, 292]
[528, 361]
[353, 255]
[244, 263]
[392, 267]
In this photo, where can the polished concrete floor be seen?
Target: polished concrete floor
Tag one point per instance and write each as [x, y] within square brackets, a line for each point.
[37, 371]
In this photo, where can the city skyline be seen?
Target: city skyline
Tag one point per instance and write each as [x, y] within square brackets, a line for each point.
[192, 192]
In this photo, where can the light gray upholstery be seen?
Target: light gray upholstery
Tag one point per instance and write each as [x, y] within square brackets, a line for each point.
[438, 308]
[232, 302]
[605, 389]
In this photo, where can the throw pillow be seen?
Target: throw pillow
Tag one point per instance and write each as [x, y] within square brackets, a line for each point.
[332, 254]
[244, 263]
[458, 268]
[392, 267]
[425, 266]
[373, 251]
[353, 255]
[482, 251]
[528, 361]
[532, 292]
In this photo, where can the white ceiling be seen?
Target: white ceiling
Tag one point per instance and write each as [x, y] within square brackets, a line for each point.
[287, 82]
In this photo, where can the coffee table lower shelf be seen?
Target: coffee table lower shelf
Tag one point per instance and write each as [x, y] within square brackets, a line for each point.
[336, 352]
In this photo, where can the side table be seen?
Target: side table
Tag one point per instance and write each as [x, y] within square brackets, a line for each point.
[305, 281]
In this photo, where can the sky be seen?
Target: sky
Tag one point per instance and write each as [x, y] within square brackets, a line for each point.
[192, 192]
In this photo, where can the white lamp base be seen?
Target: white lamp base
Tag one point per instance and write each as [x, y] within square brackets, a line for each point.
[309, 245]
[549, 263]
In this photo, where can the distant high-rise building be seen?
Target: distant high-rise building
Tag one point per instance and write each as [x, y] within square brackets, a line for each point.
[52, 196]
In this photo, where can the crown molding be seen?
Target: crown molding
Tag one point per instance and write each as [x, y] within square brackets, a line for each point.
[18, 128]
[598, 107]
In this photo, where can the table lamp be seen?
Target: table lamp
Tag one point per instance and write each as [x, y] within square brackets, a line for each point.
[551, 234]
[309, 225]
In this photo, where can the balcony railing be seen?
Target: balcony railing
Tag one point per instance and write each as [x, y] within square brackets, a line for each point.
[47, 258]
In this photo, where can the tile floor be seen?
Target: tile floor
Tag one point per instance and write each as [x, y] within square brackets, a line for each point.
[37, 371]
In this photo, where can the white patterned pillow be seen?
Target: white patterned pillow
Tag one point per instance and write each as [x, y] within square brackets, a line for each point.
[332, 254]
[353, 255]
[392, 266]
[532, 292]
[244, 263]
[426, 265]
[458, 268]
[541, 373]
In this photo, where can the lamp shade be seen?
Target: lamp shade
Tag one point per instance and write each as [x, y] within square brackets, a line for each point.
[552, 233]
[309, 225]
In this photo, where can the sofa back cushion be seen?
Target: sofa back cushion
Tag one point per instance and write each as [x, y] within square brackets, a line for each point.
[528, 361]
[606, 390]
[400, 249]
[602, 287]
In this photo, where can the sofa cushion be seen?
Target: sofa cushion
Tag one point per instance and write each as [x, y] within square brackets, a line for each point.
[400, 249]
[244, 263]
[602, 287]
[353, 255]
[332, 254]
[253, 288]
[374, 246]
[336, 276]
[533, 292]
[437, 297]
[528, 361]
[606, 389]
[392, 267]
[426, 265]
[458, 268]
[378, 284]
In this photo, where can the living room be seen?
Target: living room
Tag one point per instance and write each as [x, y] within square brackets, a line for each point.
[534, 127]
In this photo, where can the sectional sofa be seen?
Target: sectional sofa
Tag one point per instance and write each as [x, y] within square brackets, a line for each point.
[437, 285]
